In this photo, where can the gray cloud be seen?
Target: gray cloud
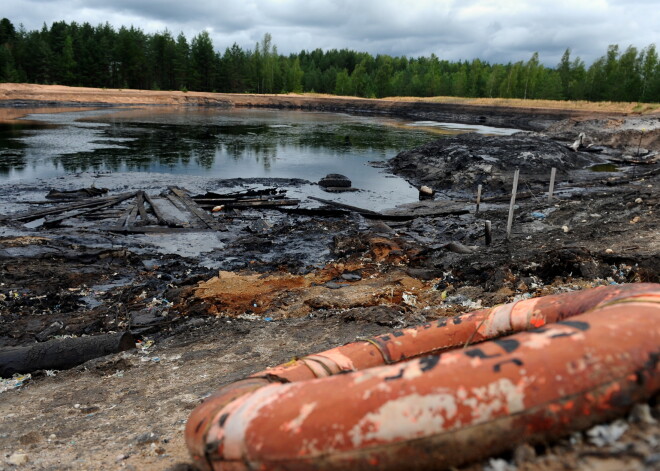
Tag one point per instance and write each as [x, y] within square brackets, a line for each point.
[492, 30]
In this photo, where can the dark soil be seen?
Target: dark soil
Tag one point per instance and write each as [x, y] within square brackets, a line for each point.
[465, 161]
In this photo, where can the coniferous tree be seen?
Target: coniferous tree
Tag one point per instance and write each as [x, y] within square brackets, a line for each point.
[102, 56]
[202, 59]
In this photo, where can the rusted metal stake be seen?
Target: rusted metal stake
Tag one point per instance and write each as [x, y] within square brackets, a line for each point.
[513, 203]
[489, 234]
[478, 199]
[553, 173]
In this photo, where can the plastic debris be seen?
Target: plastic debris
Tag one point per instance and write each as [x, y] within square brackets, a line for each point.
[602, 435]
[538, 215]
[14, 382]
[498, 464]
[144, 345]
[409, 299]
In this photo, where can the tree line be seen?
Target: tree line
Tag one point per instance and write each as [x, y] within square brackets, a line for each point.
[102, 56]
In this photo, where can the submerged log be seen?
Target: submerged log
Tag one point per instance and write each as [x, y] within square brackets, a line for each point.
[61, 354]
[251, 192]
[263, 203]
[361, 211]
[76, 194]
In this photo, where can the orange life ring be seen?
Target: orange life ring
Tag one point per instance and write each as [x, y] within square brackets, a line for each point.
[589, 356]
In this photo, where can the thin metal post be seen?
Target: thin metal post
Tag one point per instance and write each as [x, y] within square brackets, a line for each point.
[489, 234]
[513, 202]
[553, 172]
[478, 198]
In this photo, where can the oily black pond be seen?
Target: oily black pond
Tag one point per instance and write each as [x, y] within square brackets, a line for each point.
[217, 143]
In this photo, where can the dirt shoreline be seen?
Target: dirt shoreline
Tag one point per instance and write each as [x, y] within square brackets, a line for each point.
[297, 284]
[529, 117]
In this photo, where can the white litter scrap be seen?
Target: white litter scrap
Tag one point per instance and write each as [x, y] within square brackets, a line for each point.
[498, 464]
[609, 434]
[409, 299]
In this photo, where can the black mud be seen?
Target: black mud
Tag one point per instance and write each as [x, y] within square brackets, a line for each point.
[465, 161]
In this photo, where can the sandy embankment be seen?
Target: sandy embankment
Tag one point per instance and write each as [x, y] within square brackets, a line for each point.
[532, 115]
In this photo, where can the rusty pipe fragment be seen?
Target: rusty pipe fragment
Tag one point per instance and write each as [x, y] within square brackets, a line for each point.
[561, 376]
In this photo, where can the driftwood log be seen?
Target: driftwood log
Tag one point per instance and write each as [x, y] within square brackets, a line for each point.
[60, 354]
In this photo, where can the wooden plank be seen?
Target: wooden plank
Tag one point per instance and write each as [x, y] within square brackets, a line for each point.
[177, 203]
[59, 219]
[205, 217]
[156, 211]
[141, 209]
[123, 219]
[132, 216]
[170, 213]
[91, 202]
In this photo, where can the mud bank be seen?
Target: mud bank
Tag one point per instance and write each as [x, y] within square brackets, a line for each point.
[28, 95]
[461, 163]
[635, 135]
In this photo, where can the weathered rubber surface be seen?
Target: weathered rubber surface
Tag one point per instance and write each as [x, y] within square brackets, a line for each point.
[454, 332]
[444, 410]
[335, 180]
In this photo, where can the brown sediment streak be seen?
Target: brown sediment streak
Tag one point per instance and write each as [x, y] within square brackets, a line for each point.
[596, 353]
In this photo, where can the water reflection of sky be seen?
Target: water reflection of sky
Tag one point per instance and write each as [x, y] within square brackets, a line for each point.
[217, 143]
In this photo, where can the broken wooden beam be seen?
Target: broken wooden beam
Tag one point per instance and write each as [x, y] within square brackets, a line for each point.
[205, 217]
[88, 203]
[159, 216]
[361, 211]
[132, 216]
[142, 211]
[55, 221]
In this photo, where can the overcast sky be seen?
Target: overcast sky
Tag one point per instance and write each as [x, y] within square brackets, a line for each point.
[492, 30]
